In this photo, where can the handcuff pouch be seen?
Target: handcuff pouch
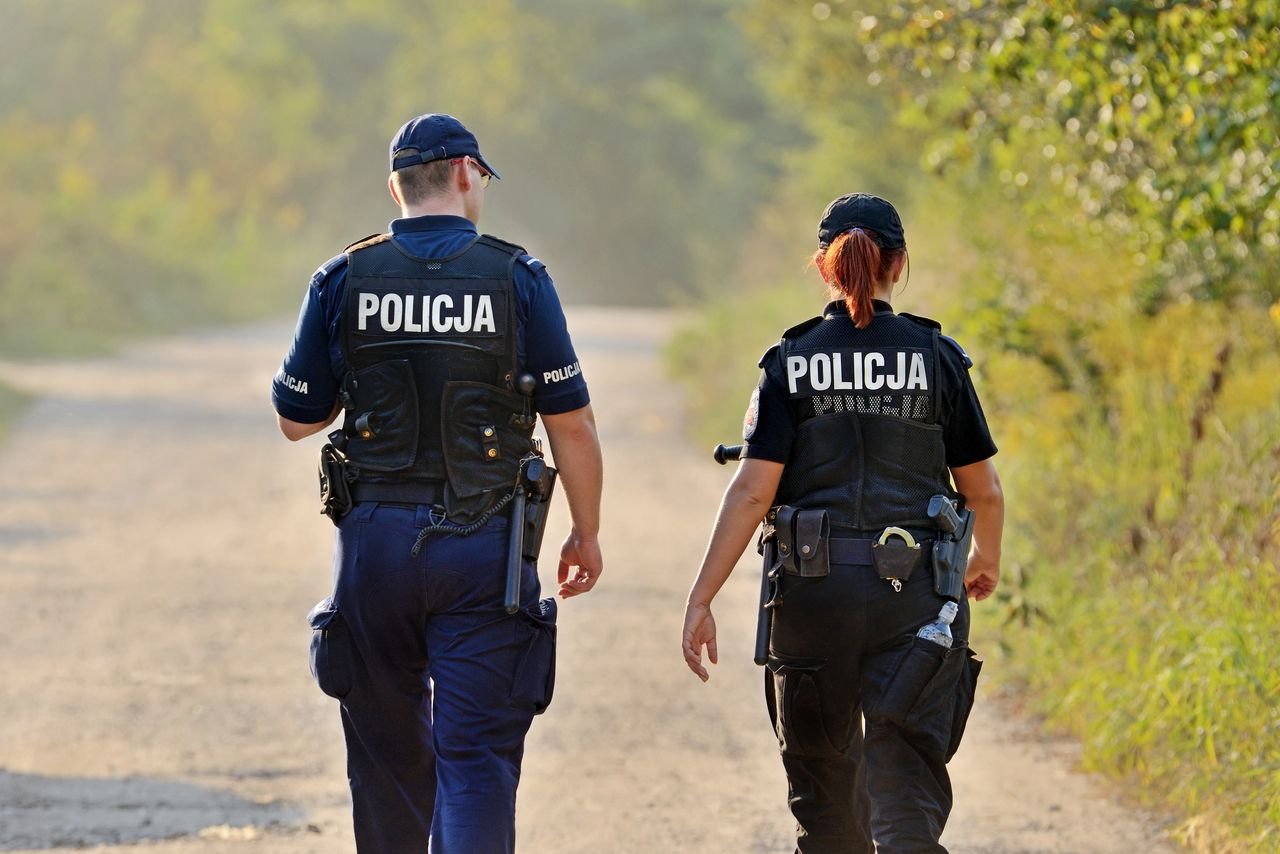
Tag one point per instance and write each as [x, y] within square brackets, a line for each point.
[894, 557]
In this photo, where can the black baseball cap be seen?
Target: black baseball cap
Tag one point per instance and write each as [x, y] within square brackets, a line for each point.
[862, 210]
[434, 136]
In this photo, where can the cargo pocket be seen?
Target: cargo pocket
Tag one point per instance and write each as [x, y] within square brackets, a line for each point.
[965, 692]
[535, 676]
[385, 418]
[921, 697]
[330, 650]
[797, 713]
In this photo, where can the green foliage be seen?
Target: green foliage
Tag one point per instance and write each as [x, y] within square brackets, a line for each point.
[176, 163]
[1158, 119]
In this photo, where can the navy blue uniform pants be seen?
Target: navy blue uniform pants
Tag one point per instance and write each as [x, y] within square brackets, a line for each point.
[843, 648]
[438, 683]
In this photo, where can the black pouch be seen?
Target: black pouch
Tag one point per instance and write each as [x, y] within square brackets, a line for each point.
[331, 656]
[894, 557]
[482, 447]
[335, 489]
[535, 676]
[802, 538]
[923, 695]
[966, 690]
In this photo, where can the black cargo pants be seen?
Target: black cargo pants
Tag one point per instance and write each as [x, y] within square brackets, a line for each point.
[838, 643]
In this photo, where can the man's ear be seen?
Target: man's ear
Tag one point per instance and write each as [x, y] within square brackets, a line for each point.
[463, 181]
[391, 185]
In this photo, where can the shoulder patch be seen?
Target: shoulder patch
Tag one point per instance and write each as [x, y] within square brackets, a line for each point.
[498, 242]
[801, 328]
[327, 269]
[368, 241]
[923, 321]
[767, 354]
[964, 357]
[535, 266]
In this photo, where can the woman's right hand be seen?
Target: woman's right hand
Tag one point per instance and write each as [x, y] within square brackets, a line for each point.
[699, 630]
[981, 576]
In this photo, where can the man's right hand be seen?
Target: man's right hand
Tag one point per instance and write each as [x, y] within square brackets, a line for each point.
[582, 556]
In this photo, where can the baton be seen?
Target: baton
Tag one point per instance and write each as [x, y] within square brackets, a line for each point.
[515, 548]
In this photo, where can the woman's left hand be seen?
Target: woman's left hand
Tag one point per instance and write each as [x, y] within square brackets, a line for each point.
[699, 629]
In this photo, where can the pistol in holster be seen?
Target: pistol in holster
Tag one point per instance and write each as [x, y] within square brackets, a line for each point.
[951, 549]
[336, 474]
[792, 542]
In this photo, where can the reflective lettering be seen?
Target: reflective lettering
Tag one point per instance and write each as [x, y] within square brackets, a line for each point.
[409, 325]
[368, 308]
[873, 380]
[820, 372]
[898, 379]
[838, 381]
[463, 324]
[440, 323]
[918, 378]
[484, 315]
[392, 312]
[797, 366]
[561, 374]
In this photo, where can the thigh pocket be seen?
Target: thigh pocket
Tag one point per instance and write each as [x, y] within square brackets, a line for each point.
[330, 649]
[922, 696]
[535, 676]
[797, 712]
[965, 692]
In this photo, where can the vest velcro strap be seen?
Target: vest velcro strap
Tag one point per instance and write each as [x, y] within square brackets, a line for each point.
[399, 492]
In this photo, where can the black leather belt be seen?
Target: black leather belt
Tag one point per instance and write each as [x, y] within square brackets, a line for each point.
[857, 552]
[398, 492]
[850, 552]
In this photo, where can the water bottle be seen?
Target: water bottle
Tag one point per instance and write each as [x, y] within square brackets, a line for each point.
[939, 631]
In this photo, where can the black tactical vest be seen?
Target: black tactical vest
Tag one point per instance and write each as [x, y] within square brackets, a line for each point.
[430, 346]
[869, 448]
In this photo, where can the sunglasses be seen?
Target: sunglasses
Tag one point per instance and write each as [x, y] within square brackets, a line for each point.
[484, 173]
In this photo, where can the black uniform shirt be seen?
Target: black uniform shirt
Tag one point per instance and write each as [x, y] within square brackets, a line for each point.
[771, 422]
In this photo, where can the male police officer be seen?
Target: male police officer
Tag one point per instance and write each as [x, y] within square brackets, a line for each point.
[422, 337]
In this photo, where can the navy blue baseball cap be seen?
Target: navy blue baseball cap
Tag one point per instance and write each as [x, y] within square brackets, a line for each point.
[435, 136]
[862, 210]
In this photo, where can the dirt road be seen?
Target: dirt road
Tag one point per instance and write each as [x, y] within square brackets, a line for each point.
[159, 549]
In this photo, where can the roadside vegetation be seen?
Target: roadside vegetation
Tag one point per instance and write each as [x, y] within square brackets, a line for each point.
[1089, 191]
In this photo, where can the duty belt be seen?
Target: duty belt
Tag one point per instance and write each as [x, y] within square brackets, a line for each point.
[399, 491]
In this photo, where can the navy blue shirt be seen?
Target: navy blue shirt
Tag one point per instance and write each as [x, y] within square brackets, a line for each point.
[771, 422]
[306, 386]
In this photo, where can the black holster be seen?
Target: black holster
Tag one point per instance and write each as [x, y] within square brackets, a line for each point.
[951, 558]
[335, 483]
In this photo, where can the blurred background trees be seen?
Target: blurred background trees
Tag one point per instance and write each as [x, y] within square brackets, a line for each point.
[170, 163]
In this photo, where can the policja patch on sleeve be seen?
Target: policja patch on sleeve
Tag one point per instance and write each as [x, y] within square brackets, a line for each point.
[752, 417]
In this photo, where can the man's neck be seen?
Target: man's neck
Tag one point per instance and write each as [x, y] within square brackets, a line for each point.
[435, 207]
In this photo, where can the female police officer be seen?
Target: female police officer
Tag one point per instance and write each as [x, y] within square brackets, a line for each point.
[857, 418]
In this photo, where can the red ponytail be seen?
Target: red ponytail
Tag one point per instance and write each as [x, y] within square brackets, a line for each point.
[854, 265]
